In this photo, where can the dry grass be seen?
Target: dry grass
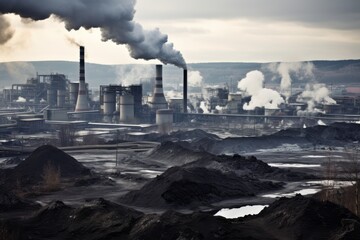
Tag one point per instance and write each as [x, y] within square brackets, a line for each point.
[51, 177]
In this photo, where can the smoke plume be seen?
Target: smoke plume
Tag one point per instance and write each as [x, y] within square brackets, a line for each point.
[114, 18]
[285, 70]
[6, 32]
[315, 94]
[252, 84]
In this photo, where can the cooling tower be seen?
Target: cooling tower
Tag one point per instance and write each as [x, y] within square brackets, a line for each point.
[82, 103]
[158, 100]
[185, 86]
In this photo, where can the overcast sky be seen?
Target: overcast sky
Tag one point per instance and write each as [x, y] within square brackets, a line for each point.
[209, 31]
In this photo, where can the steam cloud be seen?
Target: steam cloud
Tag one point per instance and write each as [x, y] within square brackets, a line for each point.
[113, 17]
[252, 84]
[133, 74]
[195, 79]
[315, 94]
[285, 70]
[6, 33]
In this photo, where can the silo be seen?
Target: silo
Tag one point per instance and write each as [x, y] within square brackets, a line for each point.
[164, 120]
[73, 93]
[127, 108]
[109, 102]
[60, 98]
[51, 97]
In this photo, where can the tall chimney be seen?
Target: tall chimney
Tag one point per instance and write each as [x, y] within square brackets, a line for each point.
[158, 100]
[185, 92]
[82, 103]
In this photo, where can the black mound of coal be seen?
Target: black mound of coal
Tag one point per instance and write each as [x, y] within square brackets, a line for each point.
[174, 154]
[179, 186]
[96, 220]
[294, 218]
[10, 202]
[347, 132]
[306, 218]
[31, 170]
[248, 166]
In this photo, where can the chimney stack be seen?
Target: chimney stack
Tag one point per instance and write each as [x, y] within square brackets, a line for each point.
[82, 103]
[185, 92]
[158, 100]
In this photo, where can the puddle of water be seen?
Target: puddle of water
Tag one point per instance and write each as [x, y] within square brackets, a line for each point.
[302, 192]
[314, 156]
[240, 212]
[294, 165]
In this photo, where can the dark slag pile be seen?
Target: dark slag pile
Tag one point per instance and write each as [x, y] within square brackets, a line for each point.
[31, 170]
[294, 218]
[194, 186]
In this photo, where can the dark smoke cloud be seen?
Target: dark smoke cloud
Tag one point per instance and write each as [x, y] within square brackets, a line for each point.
[113, 17]
[6, 33]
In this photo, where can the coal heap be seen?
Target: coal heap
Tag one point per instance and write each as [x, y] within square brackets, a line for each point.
[287, 218]
[307, 218]
[10, 202]
[347, 132]
[179, 186]
[174, 154]
[248, 166]
[31, 170]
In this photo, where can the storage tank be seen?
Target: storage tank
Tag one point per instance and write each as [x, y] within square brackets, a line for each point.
[164, 120]
[61, 98]
[109, 103]
[73, 93]
[127, 108]
[51, 97]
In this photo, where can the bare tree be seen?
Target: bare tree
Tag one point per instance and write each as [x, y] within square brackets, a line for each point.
[66, 135]
[352, 170]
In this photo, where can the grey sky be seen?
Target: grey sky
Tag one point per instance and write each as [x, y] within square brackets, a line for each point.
[210, 31]
[324, 13]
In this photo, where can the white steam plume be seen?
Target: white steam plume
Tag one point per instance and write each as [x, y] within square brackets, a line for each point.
[315, 94]
[285, 70]
[195, 79]
[132, 74]
[114, 18]
[252, 84]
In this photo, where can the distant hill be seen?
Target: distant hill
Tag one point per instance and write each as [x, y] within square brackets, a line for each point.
[330, 72]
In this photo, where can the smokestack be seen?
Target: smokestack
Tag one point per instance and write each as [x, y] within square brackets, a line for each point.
[185, 86]
[158, 100]
[82, 103]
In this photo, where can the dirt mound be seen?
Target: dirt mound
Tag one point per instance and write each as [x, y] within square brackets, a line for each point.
[248, 166]
[180, 186]
[10, 202]
[31, 170]
[174, 154]
[306, 218]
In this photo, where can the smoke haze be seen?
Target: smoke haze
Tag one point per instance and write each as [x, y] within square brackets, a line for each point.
[113, 17]
[6, 32]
